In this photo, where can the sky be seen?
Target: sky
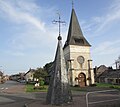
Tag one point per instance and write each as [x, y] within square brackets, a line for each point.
[28, 38]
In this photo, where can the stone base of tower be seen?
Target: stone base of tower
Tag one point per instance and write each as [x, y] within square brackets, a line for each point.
[81, 78]
[80, 74]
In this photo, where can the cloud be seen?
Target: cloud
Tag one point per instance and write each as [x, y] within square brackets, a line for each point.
[17, 14]
[107, 48]
[29, 31]
[99, 24]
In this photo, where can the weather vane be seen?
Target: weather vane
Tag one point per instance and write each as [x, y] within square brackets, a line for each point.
[59, 22]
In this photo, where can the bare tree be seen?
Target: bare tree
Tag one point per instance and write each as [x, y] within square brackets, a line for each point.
[117, 62]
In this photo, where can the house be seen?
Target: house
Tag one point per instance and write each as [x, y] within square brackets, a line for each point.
[111, 76]
[15, 77]
[22, 77]
[6, 77]
[98, 71]
[29, 76]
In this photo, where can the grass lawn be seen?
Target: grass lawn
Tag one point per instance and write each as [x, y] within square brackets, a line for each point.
[108, 85]
[30, 88]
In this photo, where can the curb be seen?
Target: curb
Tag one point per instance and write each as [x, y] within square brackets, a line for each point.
[27, 104]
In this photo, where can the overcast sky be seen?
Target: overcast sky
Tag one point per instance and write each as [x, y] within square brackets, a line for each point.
[29, 39]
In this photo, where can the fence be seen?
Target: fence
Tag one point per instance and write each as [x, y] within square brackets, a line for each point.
[106, 98]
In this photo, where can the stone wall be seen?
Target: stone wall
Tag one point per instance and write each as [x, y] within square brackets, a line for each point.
[71, 53]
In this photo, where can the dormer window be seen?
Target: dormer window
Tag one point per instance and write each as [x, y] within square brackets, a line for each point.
[79, 41]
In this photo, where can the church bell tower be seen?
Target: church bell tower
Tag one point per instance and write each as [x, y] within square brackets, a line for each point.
[77, 55]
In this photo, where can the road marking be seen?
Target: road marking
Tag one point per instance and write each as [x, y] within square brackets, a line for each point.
[6, 88]
[2, 88]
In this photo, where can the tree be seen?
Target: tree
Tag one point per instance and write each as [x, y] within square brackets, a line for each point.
[40, 74]
[48, 67]
[117, 62]
[43, 74]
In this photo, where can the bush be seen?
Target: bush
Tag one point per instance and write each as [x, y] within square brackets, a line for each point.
[42, 83]
[111, 86]
[93, 85]
[30, 82]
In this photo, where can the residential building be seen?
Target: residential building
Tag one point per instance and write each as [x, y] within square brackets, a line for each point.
[98, 71]
[29, 76]
[111, 76]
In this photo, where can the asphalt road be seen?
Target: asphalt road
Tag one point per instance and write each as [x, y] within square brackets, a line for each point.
[109, 98]
[14, 99]
[102, 99]
[9, 84]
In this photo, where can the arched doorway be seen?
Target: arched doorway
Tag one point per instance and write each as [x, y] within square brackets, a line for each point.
[82, 80]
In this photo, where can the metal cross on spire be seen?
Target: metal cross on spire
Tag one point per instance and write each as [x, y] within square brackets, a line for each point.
[59, 22]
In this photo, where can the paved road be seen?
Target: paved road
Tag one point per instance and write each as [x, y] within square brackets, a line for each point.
[8, 85]
[12, 87]
[109, 98]
[12, 94]
[7, 100]
[79, 100]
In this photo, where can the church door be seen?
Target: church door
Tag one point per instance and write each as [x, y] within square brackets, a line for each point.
[82, 80]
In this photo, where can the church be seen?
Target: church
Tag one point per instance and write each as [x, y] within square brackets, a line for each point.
[72, 64]
[77, 55]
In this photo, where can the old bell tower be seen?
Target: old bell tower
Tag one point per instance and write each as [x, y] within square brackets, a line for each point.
[77, 55]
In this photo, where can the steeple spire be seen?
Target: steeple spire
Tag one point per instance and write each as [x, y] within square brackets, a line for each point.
[59, 91]
[75, 35]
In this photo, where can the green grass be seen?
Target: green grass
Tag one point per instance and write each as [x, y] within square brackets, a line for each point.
[108, 86]
[30, 88]
[103, 85]
[78, 89]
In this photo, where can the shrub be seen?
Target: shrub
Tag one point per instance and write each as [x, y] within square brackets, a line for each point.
[111, 86]
[42, 83]
[93, 85]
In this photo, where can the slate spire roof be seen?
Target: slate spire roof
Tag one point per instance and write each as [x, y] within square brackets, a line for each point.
[75, 35]
[59, 91]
